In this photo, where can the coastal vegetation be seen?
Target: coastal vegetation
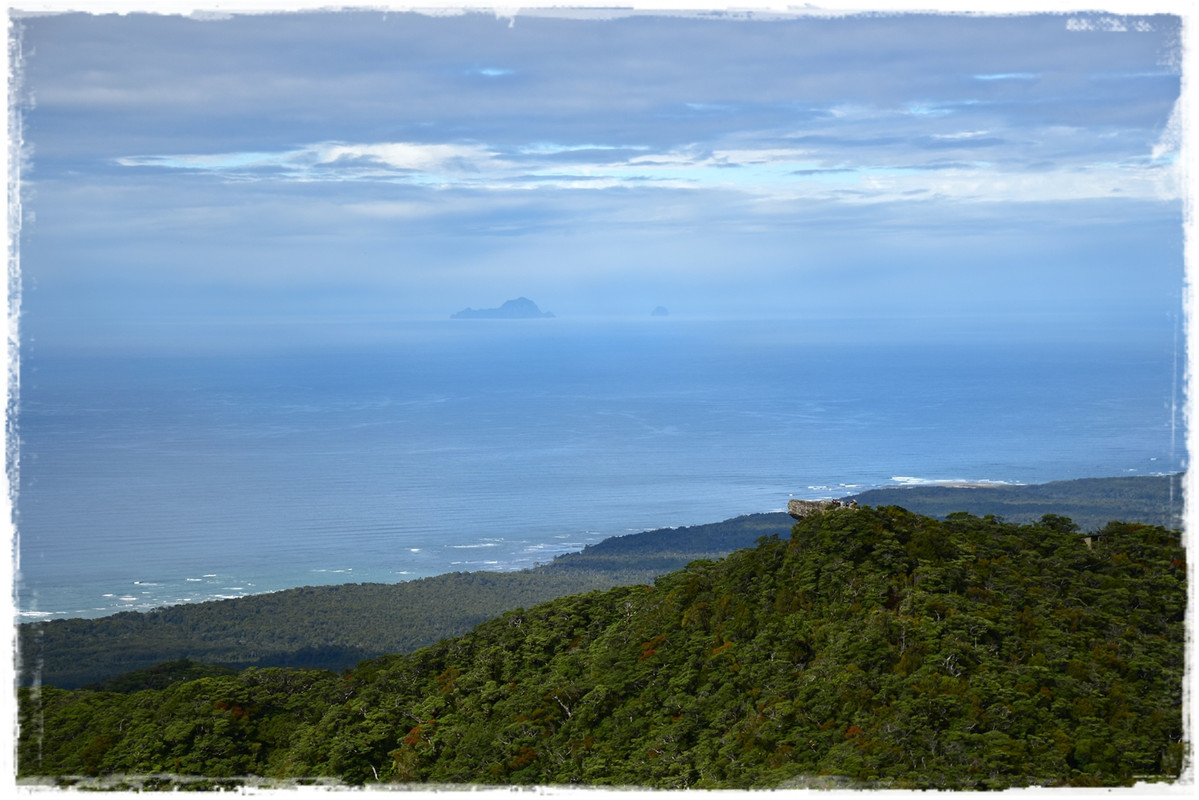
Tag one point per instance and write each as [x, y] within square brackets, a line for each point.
[335, 627]
[1090, 502]
[872, 645]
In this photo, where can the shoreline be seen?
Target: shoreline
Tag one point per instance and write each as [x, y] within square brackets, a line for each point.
[900, 484]
[961, 485]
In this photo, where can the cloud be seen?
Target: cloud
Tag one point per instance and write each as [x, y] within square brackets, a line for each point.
[880, 174]
[401, 147]
[490, 72]
[406, 156]
[1008, 76]
[960, 135]
[334, 161]
[215, 162]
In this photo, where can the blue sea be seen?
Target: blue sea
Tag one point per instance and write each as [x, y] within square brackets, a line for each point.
[152, 475]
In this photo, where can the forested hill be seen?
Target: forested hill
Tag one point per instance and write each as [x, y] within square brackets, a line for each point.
[334, 627]
[1090, 502]
[889, 648]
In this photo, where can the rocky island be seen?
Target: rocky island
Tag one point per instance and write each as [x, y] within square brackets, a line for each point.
[520, 308]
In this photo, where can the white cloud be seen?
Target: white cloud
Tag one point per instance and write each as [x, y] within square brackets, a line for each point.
[927, 110]
[792, 157]
[830, 170]
[334, 161]
[552, 148]
[1008, 76]
[214, 162]
[408, 156]
[961, 135]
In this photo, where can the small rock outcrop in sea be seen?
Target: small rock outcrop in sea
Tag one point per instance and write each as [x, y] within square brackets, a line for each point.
[805, 508]
[520, 308]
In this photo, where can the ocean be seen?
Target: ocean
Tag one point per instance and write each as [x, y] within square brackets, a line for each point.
[155, 475]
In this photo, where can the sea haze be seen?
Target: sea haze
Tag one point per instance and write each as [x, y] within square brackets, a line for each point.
[153, 476]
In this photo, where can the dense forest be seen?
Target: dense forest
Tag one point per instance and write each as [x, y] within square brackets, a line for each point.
[873, 645]
[335, 627]
[1090, 502]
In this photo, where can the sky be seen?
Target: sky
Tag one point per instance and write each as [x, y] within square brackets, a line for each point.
[388, 165]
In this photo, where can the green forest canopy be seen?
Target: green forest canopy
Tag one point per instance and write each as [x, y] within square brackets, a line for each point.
[335, 627]
[884, 647]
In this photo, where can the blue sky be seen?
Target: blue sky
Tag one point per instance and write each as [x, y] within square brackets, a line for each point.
[375, 165]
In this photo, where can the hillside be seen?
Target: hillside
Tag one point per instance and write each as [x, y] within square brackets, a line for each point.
[881, 646]
[334, 627]
[1090, 502]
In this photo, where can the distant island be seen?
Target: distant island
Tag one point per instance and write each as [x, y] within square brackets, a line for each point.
[660, 311]
[520, 308]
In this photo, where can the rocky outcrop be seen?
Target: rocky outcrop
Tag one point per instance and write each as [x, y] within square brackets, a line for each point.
[520, 308]
[806, 508]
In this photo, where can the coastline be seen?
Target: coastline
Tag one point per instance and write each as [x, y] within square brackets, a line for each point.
[1023, 502]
